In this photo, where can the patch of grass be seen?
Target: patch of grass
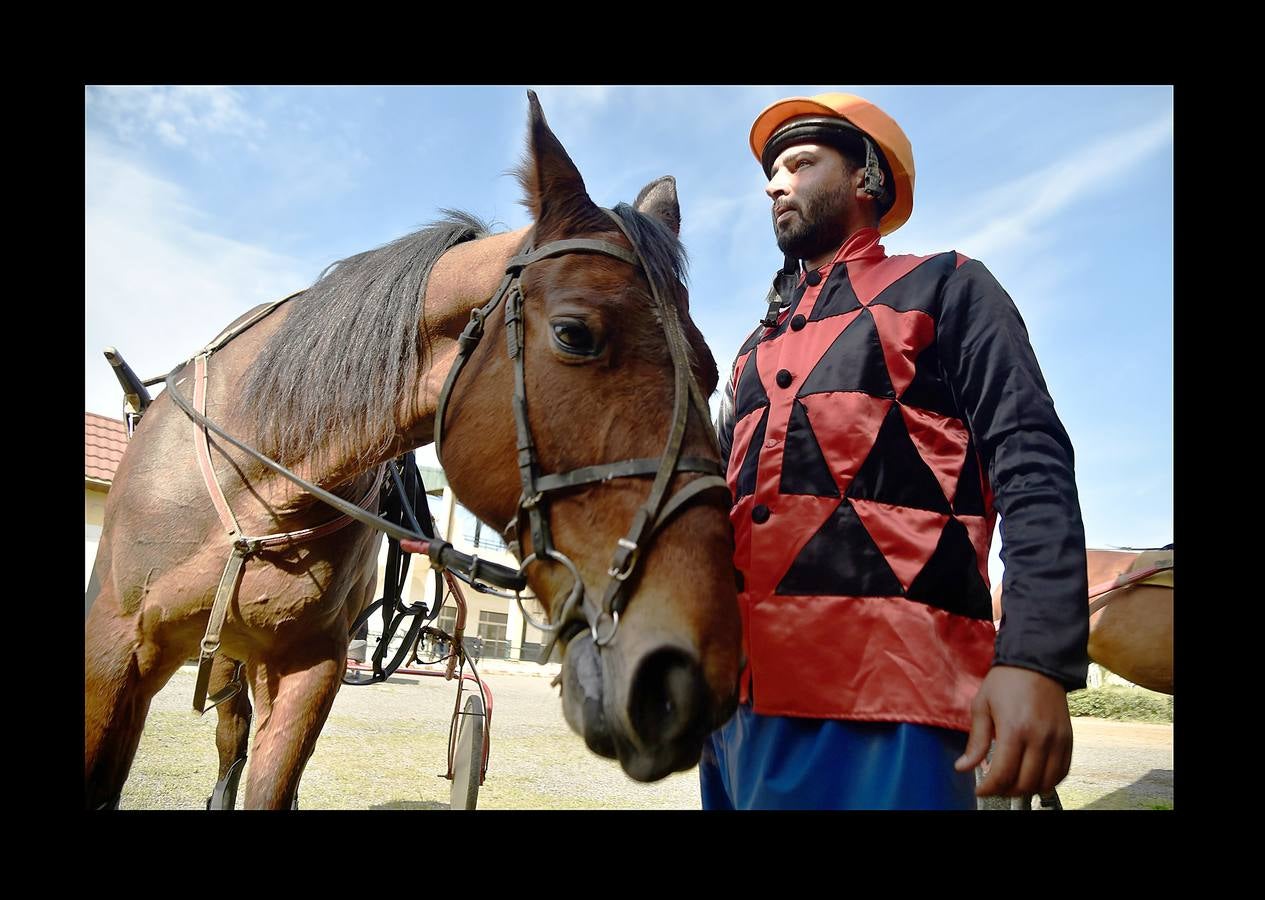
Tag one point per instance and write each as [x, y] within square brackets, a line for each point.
[1123, 704]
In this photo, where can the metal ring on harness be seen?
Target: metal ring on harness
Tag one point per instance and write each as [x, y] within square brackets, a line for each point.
[629, 565]
[598, 640]
[577, 590]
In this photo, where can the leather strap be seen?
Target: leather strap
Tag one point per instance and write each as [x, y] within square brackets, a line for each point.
[211, 640]
[645, 466]
[1123, 580]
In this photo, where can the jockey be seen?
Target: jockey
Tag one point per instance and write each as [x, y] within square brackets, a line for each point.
[875, 423]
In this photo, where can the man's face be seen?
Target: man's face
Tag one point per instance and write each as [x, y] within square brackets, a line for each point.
[811, 195]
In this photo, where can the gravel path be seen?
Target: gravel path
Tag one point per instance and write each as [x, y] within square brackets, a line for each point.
[385, 746]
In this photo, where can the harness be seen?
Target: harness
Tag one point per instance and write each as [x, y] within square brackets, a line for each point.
[1155, 568]
[244, 546]
[579, 610]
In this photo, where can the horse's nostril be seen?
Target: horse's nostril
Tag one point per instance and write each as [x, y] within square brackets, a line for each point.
[667, 699]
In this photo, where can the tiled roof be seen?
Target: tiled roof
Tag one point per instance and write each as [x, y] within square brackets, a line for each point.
[104, 441]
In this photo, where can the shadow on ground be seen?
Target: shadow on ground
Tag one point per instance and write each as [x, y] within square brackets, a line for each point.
[1154, 790]
[412, 804]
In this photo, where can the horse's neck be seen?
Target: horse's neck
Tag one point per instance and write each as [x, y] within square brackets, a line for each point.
[462, 280]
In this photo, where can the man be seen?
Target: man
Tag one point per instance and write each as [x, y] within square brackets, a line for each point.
[874, 425]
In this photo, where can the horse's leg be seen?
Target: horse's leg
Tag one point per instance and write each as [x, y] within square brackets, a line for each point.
[293, 696]
[122, 674]
[232, 732]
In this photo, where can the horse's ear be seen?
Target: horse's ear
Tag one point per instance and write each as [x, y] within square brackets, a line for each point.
[658, 199]
[554, 190]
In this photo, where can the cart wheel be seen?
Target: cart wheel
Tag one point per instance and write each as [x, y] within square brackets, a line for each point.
[467, 763]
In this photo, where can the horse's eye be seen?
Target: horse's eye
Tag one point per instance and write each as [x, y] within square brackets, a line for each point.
[573, 336]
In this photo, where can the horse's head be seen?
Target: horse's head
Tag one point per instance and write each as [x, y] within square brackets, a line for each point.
[600, 335]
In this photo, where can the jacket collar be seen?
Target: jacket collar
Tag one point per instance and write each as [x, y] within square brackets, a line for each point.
[861, 246]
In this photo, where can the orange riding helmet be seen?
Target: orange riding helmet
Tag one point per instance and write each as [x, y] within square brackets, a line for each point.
[774, 129]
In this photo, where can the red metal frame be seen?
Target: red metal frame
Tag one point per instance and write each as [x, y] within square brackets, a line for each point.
[449, 673]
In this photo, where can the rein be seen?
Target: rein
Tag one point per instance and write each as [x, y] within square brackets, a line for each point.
[578, 612]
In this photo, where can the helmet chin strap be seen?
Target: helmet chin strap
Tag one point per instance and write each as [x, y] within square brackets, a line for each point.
[780, 292]
[873, 174]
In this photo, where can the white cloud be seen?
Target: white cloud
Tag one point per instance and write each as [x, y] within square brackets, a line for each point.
[177, 114]
[1011, 217]
[159, 281]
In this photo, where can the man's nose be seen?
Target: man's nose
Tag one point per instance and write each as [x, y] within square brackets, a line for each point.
[777, 186]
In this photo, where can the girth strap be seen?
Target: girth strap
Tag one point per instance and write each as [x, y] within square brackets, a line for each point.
[242, 546]
[211, 640]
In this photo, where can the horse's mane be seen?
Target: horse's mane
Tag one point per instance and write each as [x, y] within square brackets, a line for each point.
[346, 359]
[665, 263]
[342, 368]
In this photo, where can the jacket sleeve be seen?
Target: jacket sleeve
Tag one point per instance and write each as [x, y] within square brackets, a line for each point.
[997, 385]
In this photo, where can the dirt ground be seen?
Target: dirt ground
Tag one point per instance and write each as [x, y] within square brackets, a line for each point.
[384, 747]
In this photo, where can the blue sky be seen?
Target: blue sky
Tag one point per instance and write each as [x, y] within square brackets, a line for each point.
[201, 202]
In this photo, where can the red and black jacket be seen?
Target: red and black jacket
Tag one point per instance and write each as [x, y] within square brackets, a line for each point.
[871, 438]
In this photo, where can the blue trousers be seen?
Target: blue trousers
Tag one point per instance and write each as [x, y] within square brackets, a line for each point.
[779, 762]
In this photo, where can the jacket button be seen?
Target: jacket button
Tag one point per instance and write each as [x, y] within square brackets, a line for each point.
[813, 278]
[784, 379]
[797, 323]
[760, 514]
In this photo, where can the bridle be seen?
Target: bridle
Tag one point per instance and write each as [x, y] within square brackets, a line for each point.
[579, 611]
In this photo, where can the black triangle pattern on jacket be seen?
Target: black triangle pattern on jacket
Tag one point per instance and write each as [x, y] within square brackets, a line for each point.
[804, 467]
[854, 362]
[927, 390]
[919, 288]
[951, 580]
[751, 462]
[749, 394]
[749, 344]
[894, 471]
[836, 297]
[821, 569]
[969, 499]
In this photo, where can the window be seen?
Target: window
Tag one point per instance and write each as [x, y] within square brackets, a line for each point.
[447, 618]
[492, 630]
[475, 533]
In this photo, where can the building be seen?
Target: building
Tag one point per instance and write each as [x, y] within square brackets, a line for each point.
[104, 441]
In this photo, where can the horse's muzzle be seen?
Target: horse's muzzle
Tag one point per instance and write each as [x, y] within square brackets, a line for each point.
[651, 711]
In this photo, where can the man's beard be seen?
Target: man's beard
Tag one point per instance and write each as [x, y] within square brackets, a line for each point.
[817, 226]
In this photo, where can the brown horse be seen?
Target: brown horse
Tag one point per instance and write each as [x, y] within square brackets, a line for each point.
[345, 377]
[1130, 627]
